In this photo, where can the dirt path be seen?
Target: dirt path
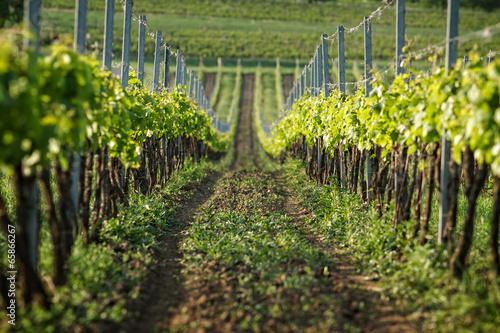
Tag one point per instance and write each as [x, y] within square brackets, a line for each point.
[287, 82]
[171, 79]
[162, 289]
[226, 295]
[245, 139]
[341, 301]
[209, 83]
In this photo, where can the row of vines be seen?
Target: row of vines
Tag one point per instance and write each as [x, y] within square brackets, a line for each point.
[64, 120]
[399, 128]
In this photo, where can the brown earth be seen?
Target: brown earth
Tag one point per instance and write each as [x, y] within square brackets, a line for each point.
[162, 290]
[245, 140]
[171, 79]
[209, 83]
[287, 83]
[361, 301]
[209, 304]
[171, 301]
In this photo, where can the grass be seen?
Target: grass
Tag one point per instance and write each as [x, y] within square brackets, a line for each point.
[240, 35]
[417, 276]
[223, 107]
[269, 108]
[354, 71]
[258, 259]
[262, 128]
[7, 191]
[249, 37]
[216, 90]
[102, 276]
[326, 12]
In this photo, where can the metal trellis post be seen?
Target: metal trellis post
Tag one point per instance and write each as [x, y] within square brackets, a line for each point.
[451, 59]
[32, 20]
[306, 77]
[80, 26]
[368, 88]
[178, 68]
[400, 35]
[127, 25]
[191, 84]
[166, 71]
[156, 72]
[341, 64]
[108, 34]
[326, 69]
[142, 42]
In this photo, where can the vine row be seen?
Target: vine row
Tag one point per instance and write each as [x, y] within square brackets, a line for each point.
[64, 118]
[398, 130]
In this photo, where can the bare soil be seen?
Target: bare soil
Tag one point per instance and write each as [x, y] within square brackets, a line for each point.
[209, 83]
[162, 290]
[209, 303]
[287, 82]
[245, 140]
[171, 79]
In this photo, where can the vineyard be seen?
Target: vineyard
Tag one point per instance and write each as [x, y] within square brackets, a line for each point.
[256, 167]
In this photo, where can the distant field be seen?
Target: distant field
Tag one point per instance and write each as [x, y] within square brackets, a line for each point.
[255, 31]
[327, 12]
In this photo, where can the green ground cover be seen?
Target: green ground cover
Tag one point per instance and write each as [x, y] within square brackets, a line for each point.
[223, 107]
[103, 276]
[417, 276]
[255, 253]
[330, 12]
[269, 107]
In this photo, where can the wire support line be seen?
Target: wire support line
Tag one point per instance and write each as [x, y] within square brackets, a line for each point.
[137, 18]
[119, 64]
[149, 31]
[222, 126]
[376, 14]
[382, 73]
[484, 33]
[487, 32]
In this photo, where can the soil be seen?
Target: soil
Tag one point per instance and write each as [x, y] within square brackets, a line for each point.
[162, 290]
[170, 300]
[245, 140]
[171, 79]
[209, 83]
[287, 82]
[361, 300]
